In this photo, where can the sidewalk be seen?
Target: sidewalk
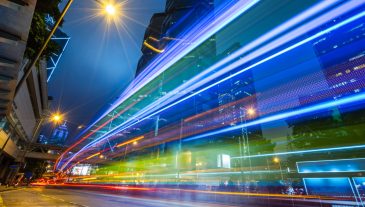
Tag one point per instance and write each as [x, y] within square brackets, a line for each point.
[3, 188]
[1, 202]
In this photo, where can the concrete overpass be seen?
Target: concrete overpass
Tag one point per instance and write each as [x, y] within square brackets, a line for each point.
[41, 156]
[41, 151]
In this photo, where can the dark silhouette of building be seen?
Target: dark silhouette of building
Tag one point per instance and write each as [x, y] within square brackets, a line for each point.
[171, 26]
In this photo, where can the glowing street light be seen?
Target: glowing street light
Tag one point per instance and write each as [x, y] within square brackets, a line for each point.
[244, 146]
[56, 118]
[110, 9]
[251, 111]
[278, 161]
[248, 111]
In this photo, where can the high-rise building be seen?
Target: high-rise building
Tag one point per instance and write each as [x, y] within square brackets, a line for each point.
[61, 39]
[59, 135]
[42, 139]
[171, 26]
[151, 44]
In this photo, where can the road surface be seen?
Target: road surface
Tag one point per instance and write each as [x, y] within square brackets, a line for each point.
[39, 196]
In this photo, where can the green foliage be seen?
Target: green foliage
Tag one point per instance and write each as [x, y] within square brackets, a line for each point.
[38, 32]
[330, 131]
[49, 7]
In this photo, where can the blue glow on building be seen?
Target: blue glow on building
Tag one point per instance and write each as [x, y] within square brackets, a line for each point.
[326, 166]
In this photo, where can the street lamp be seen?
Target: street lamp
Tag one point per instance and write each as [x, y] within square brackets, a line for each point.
[28, 70]
[278, 161]
[56, 118]
[251, 111]
[110, 9]
[53, 117]
[197, 168]
[243, 140]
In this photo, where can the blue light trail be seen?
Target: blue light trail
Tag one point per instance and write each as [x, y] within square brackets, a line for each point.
[127, 124]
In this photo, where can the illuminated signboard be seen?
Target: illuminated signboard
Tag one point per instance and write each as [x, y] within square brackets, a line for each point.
[332, 166]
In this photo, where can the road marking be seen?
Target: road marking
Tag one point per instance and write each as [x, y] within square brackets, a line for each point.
[41, 194]
[161, 202]
[60, 199]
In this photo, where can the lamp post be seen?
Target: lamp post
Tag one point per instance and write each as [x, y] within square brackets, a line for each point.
[28, 69]
[197, 168]
[278, 161]
[243, 140]
[55, 118]
[110, 10]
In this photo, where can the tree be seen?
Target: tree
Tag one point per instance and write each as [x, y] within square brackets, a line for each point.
[39, 29]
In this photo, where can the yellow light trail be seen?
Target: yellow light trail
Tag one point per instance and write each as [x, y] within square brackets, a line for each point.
[191, 191]
[91, 156]
[164, 38]
[130, 141]
[145, 43]
[154, 39]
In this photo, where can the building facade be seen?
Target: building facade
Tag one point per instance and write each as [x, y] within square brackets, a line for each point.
[168, 27]
[15, 21]
[20, 114]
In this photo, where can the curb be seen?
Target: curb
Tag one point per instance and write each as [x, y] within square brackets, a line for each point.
[5, 190]
[11, 189]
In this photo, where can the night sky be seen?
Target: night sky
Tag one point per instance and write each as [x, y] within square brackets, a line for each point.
[99, 62]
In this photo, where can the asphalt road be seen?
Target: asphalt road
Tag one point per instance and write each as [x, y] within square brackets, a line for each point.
[39, 196]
